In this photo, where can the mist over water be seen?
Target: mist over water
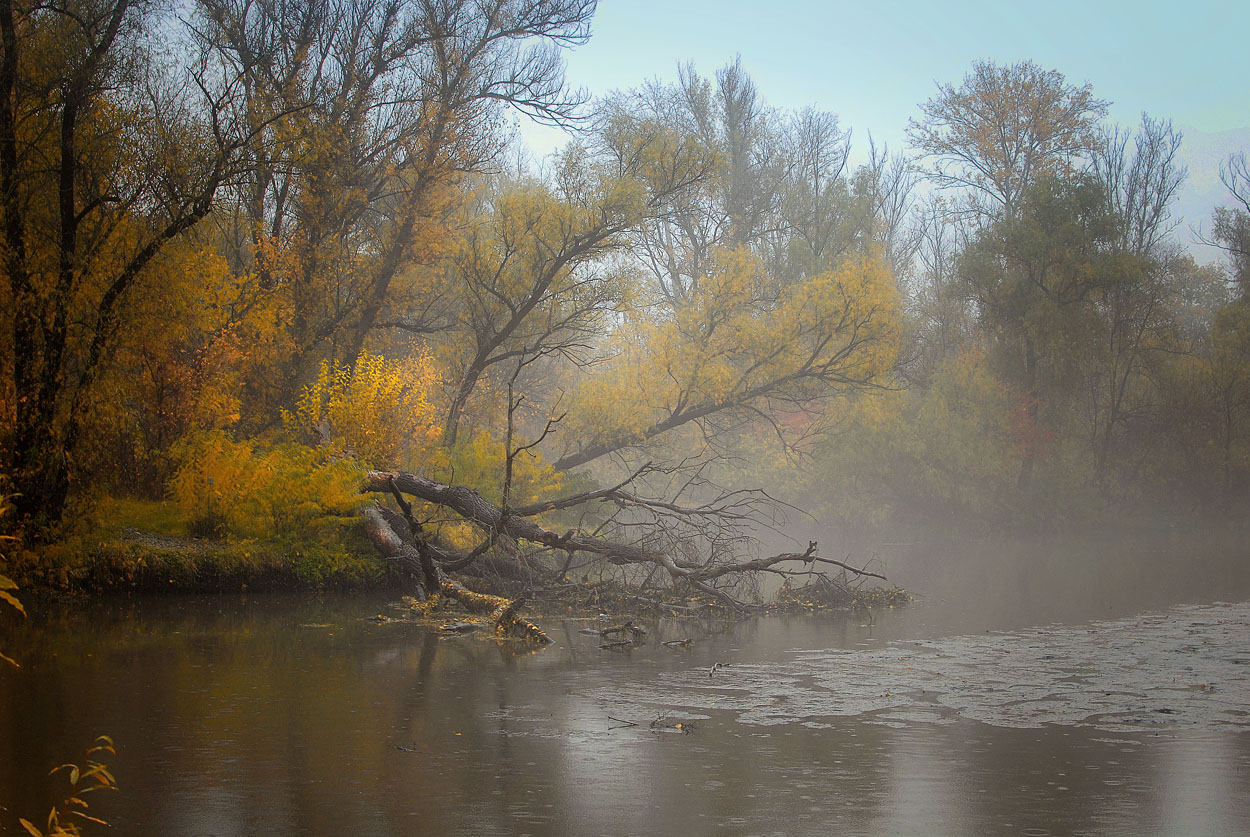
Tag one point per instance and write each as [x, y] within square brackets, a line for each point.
[1006, 584]
[1032, 687]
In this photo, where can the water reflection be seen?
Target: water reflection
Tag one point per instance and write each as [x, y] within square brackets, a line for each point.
[304, 715]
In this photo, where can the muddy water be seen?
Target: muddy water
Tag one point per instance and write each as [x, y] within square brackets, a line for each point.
[1032, 689]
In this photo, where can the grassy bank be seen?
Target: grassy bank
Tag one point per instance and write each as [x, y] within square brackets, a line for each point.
[143, 546]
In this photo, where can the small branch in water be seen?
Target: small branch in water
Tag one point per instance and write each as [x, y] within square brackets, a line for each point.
[661, 724]
[628, 627]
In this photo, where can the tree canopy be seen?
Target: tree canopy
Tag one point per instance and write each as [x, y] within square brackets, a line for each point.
[286, 244]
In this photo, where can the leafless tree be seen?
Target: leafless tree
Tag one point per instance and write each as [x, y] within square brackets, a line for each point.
[1231, 227]
[1141, 186]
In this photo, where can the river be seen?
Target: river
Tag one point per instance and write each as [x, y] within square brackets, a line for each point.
[1032, 688]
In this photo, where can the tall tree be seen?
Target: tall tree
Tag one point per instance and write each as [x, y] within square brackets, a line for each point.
[782, 187]
[1004, 128]
[391, 105]
[108, 153]
[1132, 306]
[1030, 275]
[768, 286]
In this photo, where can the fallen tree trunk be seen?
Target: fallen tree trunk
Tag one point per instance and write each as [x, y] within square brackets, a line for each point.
[472, 506]
[417, 556]
[516, 525]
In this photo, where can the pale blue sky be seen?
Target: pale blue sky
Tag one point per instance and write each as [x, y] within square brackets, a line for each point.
[872, 63]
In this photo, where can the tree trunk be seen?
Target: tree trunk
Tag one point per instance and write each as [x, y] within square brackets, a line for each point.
[517, 525]
[417, 557]
[1025, 480]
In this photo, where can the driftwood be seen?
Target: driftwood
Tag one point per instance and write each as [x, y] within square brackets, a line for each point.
[627, 628]
[516, 524]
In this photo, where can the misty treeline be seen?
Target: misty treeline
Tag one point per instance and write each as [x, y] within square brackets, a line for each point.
[254, 248]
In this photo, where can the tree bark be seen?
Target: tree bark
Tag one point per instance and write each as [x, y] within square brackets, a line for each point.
[417, 557]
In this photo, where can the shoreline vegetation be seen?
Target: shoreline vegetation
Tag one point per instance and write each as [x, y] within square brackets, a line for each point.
[148, 552]
[140, 546]
[324, 335]
[143, 547]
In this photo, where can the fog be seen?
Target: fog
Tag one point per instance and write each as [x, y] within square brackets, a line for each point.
[290, 306]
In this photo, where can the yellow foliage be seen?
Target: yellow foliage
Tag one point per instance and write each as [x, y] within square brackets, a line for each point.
[479, 462]
[161, 379]
[250, 489]
[92, 775]
[947, 448]
[740, 341]
[378, 411]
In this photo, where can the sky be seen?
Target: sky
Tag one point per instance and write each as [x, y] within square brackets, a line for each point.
[873, 63]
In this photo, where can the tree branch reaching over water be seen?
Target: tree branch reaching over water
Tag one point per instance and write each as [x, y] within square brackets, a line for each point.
[731, 509]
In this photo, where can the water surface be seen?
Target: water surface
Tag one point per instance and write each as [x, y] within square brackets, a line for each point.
[1031, 689]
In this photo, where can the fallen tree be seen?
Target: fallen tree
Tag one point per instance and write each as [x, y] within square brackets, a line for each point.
[418, 555]
[718, 574]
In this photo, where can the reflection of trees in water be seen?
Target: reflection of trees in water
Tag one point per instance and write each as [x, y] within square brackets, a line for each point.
[304, 716]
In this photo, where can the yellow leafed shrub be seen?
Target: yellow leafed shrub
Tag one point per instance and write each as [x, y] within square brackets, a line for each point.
[246, 488]
[378, 411]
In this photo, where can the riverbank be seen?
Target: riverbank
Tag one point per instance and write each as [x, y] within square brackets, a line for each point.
[127, 545]
[141, 546]
[139, 566]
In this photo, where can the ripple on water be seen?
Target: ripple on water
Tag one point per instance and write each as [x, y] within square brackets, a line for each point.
[1180, 669]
